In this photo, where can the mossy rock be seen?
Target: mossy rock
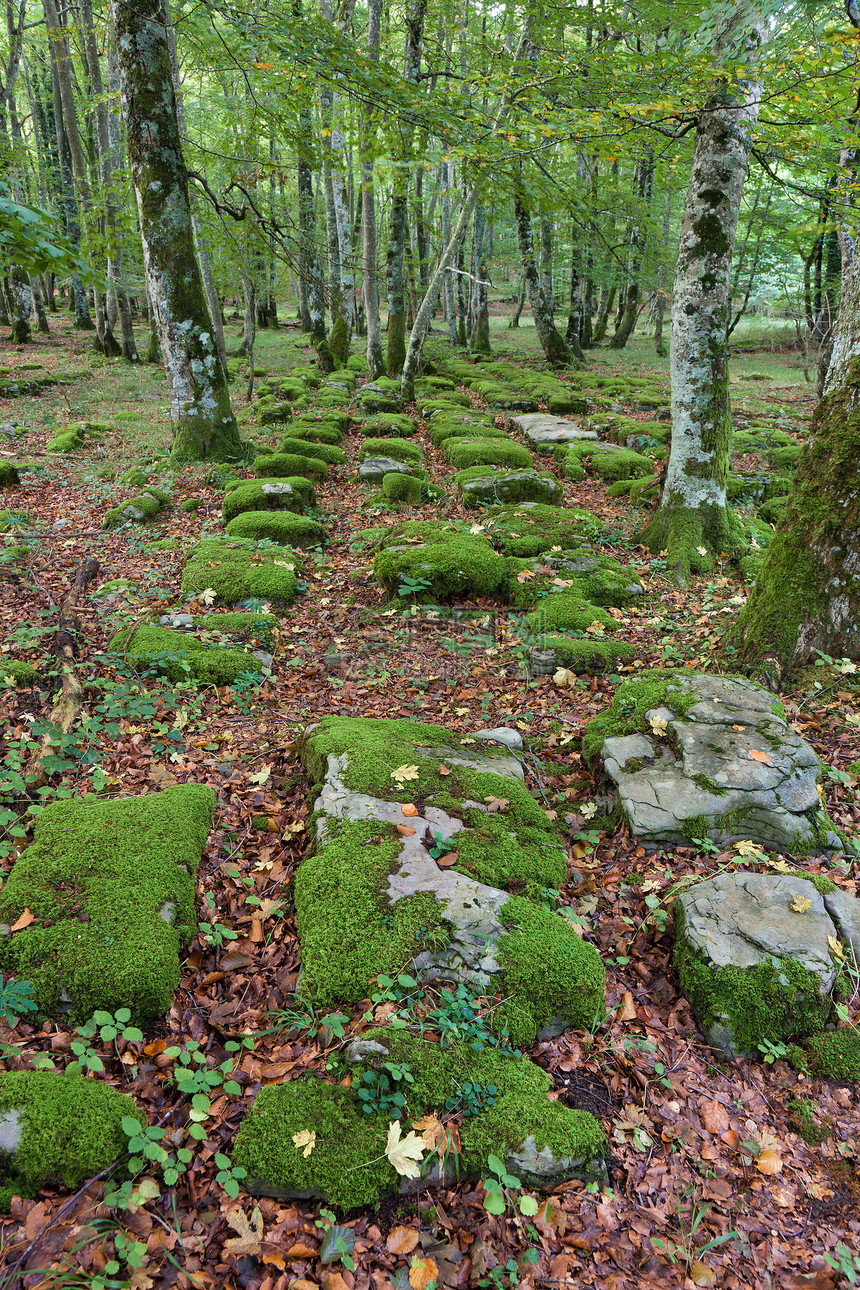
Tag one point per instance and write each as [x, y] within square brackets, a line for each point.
[567, 405]
[293, 494]
[481, 488]
[532, 528]
[274, 414]
[441, 429]
[192, 504]
[388, 423]
[285, 465]
[588, 655]
[166, 544]
[482, 452]
[282, 527]
[402, 488]
[60, 1130]
[460, 567]
[348, 1166]
[138, 509]
[608, 463]
[236, 572]
[448, 402]
[8, 475]
[328, 428]
[127, 865]
[14, 671]
[326, 452]
[398, 449]
[568, 611]
[773, 510]
[831, 1054]
[182, 656]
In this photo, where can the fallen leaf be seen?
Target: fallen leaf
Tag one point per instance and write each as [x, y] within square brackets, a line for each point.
[250, 1237]
[334, 1281]
[301, 1250]
[261, 776]
[563, 676]
[443, 769]
[596, 629]
[404, 1154]
[495, 804]
[759, 756]
[157, 1046]
[23, 920]
[445, 862]
[307, 1139]
[627, 1011]
[659, 725]
[422, 1273]
[834, 946]
[525, 575]
[715, 1117]
[405, 830]
[701, 1275]
[402, 1240]
[409, 810]
[769, 1162]
[402, 773]
[208, 596]
[800, 904]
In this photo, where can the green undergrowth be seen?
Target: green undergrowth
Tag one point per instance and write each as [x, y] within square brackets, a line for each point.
[178, 655]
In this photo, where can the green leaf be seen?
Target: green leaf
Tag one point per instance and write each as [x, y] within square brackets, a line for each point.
[494, 1203]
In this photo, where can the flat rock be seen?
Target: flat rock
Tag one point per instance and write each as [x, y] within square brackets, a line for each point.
[502, 735]
[730, 768]
[542, 430]
[373, 469]
[508, 486]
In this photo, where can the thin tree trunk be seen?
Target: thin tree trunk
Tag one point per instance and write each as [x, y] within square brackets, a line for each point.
[203, 421]
[546, 279]
[557, 353]
[375, 360]
[638, 245]
[448, 288]
[480, 337]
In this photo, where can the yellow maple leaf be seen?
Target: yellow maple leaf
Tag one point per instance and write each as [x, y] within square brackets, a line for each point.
[305, 1138]
[405, 1154]
[250, 1237]
[836, 948]
[800, 904]
[402, 773]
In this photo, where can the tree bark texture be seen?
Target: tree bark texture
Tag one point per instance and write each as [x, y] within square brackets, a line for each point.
[557, 352]
[693, 520]
[203, 422]
[375, 360]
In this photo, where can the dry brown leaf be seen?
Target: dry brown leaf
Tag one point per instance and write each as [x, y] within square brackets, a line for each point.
[22, 921]
[759, 756]
[405, 830]
[250, 1237]
[769, 1162]
[422, 1273]
[334, 1281]
[443, 769]
[818, 1191]
[715, 1117]
[303, 1284]
[700, 1275]
[409, 809]
[402, 1240]
[445, 862]
[301, 1250]
[157, 1046]
[627, 1011]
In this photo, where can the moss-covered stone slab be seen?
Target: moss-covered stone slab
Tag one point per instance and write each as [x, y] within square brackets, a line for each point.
[293, 494]
[372, 895]
[448, 564]
[137, 510]
[531, 528]
[393, 447]
[587, 655]
[58, 1130]
[755, 958]
[9, 475]
[373, 469]
[543, 431]
[326, 452]
[374, 399]
[235, 571]
[110, 887]
[503, 487]
[541, 1142]
[487, 452]
[388, 423]
[282, 465]
[728, 767]
[212, 657]
[282, 527]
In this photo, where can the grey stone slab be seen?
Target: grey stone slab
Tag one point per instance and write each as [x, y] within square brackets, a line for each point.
[845, 912]
[542, 430]
[372, 470]
[502, 735]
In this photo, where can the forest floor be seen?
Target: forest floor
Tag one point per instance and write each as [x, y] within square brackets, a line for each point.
[702, 1149]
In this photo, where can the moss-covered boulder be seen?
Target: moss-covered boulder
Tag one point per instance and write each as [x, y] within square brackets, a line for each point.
[137, 510]
[326, 452]
[321, 427]
[67, 440]
[58, 1130]
[541, 1142]
[402, 488]
[755, 958]
[284, 465]
[375, 398]
[384, 904]
[606, 460]
[448, 565]
[234, 571]
[14, 671]
[207, 657]
[282, 527]
[483, 452]
[110, 887]
[531, 528]
[588, 654]
[482, 486]
[273, 413]
[399, 449]
[388, 423]
[294, 493]
[720, 763]
[9, 475]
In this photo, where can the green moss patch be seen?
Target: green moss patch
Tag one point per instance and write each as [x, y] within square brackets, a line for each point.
[181, 655]
[70, 1130]
[137, 510]
[235, 571]
[111, 887]
[326, 452]
[482, 452]
[568, 611]
[402, 488]
[283, 465]
[835, 1054]
[14, 671]
[589, 655]
[462, 567]
[399, 449]
[292, 494]
[388, 423]
[531, 528]
[320, 428]
[282, 527]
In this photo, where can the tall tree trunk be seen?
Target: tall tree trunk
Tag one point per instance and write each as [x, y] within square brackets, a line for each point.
[693, 520]
[448, 287]
[203, 421]
[375, 360]
[661, 294]
[480, 337]
[557, 352]
[21, 306]
[546, 279]
[638, 243]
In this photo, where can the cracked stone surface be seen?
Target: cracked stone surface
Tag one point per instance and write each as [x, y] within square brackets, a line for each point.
[543, 431]
[372, 470]
[702, 779]
[740, 920]
[510, 486]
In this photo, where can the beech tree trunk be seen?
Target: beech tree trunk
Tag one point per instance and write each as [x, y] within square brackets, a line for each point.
[693, 521]
[479, 339]
[368, 213]
[558, 353]
[397, 221]
[203, 421]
